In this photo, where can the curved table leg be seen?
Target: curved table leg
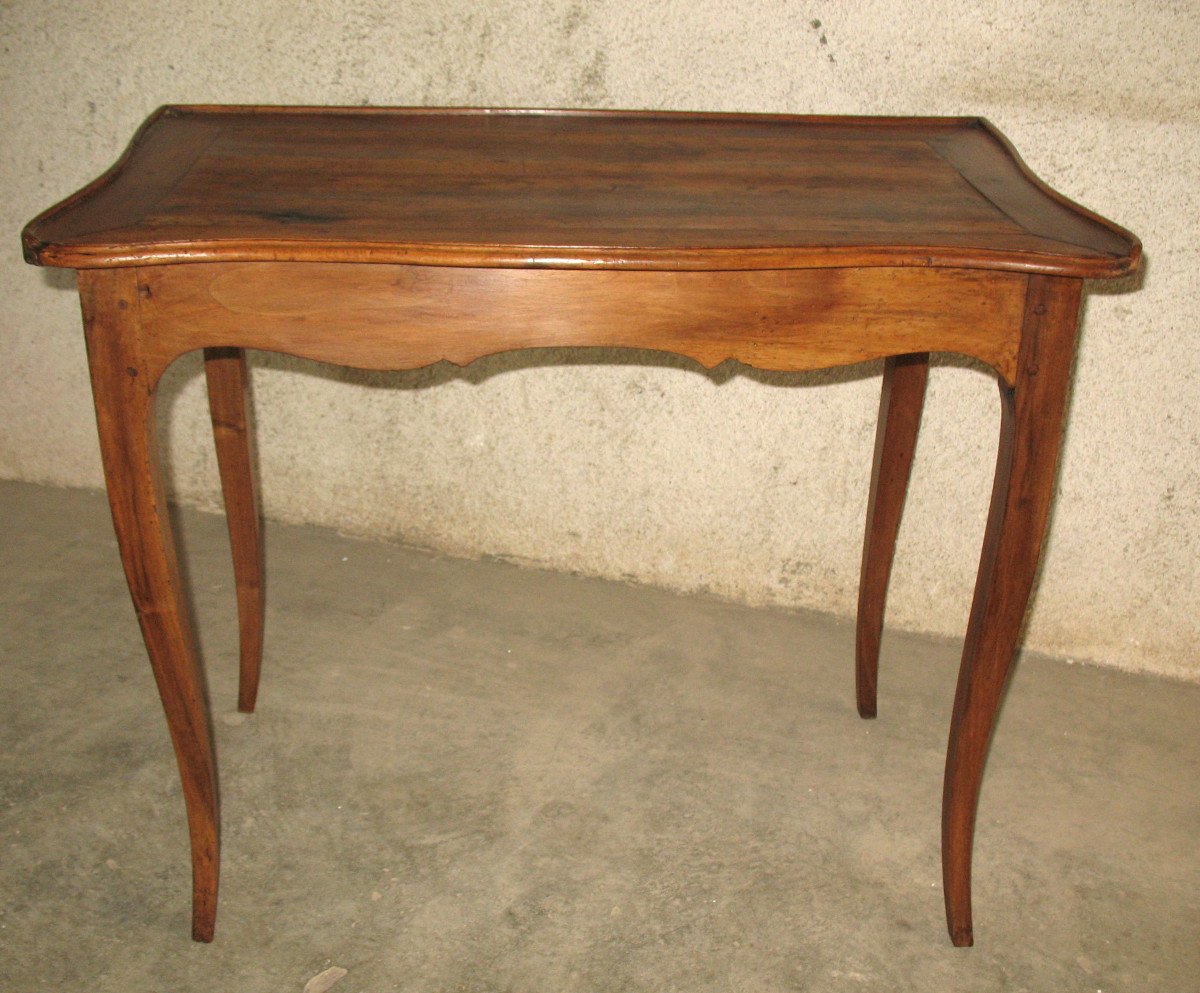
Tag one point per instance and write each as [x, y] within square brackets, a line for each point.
[900, 404]
[1031, 428]
[123, 384]
[225, 370]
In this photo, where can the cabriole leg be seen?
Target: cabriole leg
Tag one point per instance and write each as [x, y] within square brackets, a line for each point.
[1031, 429]
[123, 384]
[225, 370]
[900, 404]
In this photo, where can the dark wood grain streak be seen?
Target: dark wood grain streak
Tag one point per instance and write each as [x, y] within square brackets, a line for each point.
[124, 390]
[228, 387]
[900, 405]
[1032, 410]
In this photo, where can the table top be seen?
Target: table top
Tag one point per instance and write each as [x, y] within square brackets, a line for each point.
[573, 189]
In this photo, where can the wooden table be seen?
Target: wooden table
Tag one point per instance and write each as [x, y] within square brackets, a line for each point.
[390, 239]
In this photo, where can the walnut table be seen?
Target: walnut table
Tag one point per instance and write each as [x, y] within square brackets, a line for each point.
[391, 239]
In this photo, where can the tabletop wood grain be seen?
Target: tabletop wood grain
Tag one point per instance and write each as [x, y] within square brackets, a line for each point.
[573, 189]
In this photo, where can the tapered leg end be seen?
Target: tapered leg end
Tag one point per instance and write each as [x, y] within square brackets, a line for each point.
[250, 665]
[865, 669]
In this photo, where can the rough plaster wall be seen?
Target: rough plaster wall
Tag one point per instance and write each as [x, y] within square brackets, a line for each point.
[745, 484]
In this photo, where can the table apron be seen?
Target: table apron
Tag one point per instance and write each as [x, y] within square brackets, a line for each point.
[383, 316]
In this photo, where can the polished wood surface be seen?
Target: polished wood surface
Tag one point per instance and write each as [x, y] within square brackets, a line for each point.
[392, 239]
[574, 189]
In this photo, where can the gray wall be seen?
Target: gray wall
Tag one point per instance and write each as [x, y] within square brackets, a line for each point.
[748, 485]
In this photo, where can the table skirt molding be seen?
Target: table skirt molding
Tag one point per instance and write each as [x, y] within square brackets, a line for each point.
[395, 317]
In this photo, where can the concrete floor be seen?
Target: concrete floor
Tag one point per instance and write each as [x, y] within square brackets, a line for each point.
[467, 776]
